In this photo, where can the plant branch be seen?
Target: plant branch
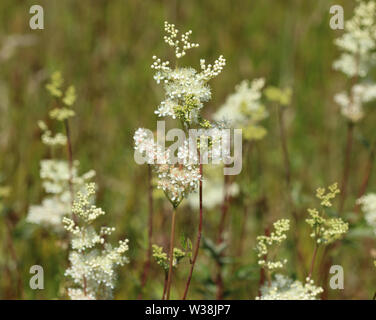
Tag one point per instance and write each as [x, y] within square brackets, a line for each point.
[313, 260]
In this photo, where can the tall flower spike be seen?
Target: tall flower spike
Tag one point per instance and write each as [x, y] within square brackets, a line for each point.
[186, 89]
[59, 179]
[358, 45]
[93, 261]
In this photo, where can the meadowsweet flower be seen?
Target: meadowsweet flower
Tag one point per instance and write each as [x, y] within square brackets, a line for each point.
[284, 288]
[176, 180]
[352, 106]
[274, 239]
[48, 139]
[368, 203]
[186, 89]
[162, 260]
[70, 96]
[59, 178]
[326, 230]
[147, 147]
[55, 177]
[93, 261]
[326, 197]
[55, 84]
[244, 109]
[358, 42]
[61, 114]
[55, 88]
[182, 45]
[358, 45]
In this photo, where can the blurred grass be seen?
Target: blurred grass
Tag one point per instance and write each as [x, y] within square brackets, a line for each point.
[104, 48]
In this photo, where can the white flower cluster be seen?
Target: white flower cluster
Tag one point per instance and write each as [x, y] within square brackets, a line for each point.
[359, 41]
[186, 89]
[243, 109]
[284, 288]
[181, 84]
[172, 41]
[368, 203]
[92, 260]
[48, 139]
[275, 238]
[358, 44]
[176, 180]
[55, 175]
[185, 92]
[352, 106]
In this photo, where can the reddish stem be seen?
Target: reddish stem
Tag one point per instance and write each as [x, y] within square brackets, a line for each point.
[197, 246]
[367, 176]
[219, 279]
[347, 165]
[313, 261]
[171, 256]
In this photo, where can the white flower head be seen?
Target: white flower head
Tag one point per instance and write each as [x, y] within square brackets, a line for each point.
[284, 288]
[368, 203]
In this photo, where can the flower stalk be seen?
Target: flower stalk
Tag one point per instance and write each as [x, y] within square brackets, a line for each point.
[198, 240]
[171, 254]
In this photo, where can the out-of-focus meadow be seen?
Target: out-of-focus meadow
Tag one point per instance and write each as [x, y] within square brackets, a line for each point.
[105, 49]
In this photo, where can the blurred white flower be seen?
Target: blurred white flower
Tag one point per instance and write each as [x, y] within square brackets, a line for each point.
[55, 177]
[358, 43]
[213, 193]
[368, 203]
[11, 43]
[352, 107]
[284, 288]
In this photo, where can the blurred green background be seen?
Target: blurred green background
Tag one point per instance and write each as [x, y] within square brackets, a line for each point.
[104, 48]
